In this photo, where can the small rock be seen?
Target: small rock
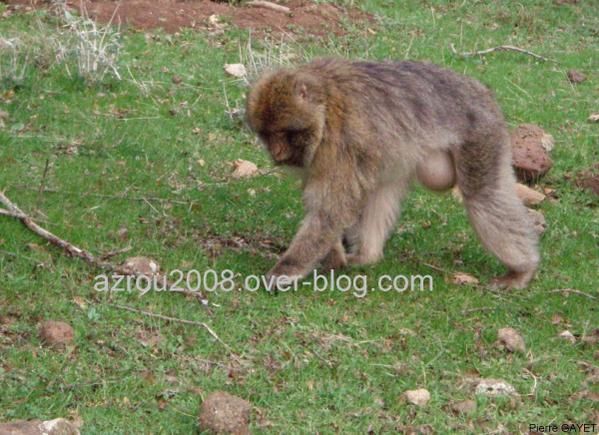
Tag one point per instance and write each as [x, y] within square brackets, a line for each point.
[511, 339]
[236, 70]
[461, 278]
[463, 407]
[224, 413]
[494, 387]
[538, 220]
[568, 336]
[529, 196]
[419, 397]
[214, 20]
[3, 117]
[177, 80]
[423, 429]
[530, 152]
[243, 168]
[576, 76]
[80, 302]
[593, 117]
[123, 233]
[140, 266]
[58, 426]
[56, 333]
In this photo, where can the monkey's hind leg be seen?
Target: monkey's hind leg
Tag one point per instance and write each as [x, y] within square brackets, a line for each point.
[367, 237]
[487, 182]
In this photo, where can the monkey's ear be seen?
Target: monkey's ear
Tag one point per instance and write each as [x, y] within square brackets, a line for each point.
[303, 91]
[305, 87]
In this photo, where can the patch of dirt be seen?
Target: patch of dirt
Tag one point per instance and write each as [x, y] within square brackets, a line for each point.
[256, 245]
[56, 333]
[173, 15]
[222, 412]
[589, 179]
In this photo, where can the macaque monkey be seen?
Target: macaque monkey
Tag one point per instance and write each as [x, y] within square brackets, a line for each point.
[362, 131]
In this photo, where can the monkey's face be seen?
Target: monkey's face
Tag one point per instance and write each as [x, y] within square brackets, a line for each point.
[286, 118]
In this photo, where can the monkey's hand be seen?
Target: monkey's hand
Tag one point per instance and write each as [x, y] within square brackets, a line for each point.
[316, 237]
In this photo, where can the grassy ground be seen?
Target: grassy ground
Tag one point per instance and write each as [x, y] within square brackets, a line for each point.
[308, 362]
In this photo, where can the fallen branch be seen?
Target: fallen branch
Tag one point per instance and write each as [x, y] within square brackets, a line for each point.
[177, 320]
[499, 48]
[115, 252]
[269, 5]
[14, 211]
[573, 290]
[6, 213]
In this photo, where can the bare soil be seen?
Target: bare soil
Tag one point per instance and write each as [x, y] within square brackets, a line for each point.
[589, 179]
[173, 15]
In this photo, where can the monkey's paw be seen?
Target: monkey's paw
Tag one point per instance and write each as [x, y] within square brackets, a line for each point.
[334, 260]
[283, 278]
[361, 259]
[512, 280]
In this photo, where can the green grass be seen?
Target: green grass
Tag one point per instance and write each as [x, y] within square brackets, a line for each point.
[308, 362]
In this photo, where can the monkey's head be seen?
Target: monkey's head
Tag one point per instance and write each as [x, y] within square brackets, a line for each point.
[286, 110]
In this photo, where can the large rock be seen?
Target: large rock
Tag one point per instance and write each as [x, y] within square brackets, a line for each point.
[530, 152]
[223, 413]
[58, 426]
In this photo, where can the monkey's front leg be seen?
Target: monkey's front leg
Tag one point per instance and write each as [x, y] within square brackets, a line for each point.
[336, 258]
[317, 235]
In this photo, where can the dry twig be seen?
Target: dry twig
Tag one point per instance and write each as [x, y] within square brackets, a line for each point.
[177, 320]
[499, 48]
[14, 211]
[477, 309]
[115, 252]
[573, 290]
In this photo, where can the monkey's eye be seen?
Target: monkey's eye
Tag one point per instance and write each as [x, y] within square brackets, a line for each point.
[290, 136]
[295, 136]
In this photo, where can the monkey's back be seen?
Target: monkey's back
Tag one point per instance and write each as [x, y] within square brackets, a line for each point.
[416, 98]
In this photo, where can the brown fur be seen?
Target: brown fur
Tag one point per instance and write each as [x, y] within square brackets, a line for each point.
[362, 131]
